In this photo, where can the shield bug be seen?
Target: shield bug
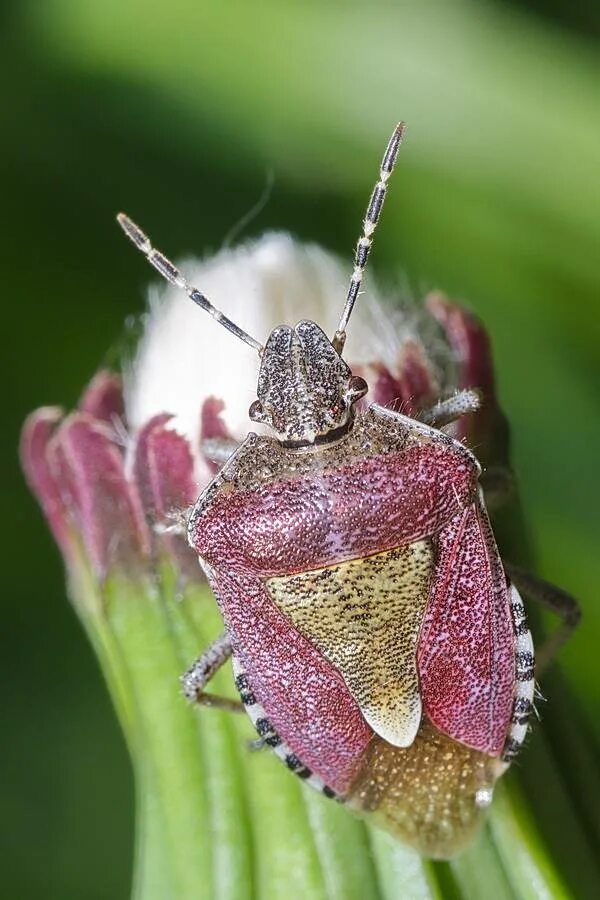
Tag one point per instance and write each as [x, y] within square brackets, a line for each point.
[378, 645]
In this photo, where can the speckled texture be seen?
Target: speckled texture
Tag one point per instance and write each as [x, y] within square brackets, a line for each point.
[426, 794]
[466, 649]
[355, 506]
[304, 697]
[364, 617]
[303, 385]
[276, 513]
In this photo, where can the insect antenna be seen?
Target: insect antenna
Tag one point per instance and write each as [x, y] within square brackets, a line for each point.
[363, 248]
[172, 274]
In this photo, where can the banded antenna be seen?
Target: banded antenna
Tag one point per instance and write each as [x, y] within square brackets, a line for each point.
[363, 248]
[172, 274]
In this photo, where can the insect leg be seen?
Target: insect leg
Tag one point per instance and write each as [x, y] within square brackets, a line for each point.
[218, 449]
[202, 670]
[452, 408]
[175, 522]
[554, 599]
[498, 484]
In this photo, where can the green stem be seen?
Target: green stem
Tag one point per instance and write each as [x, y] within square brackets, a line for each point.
[152, 876]
[173, 782]
[216, 821]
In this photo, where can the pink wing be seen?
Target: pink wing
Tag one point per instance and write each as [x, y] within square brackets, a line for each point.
[306, 700]
[465, 656]
[299, 524]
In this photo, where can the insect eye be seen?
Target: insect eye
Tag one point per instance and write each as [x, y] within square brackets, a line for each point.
[256, 411]
[358, 387]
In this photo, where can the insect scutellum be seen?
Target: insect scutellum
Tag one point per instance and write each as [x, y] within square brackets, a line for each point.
[306, 391]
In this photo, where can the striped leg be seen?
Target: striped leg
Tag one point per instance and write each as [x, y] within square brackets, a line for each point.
[199, 674]
[554, 599]
[219, 449]
[452, 408]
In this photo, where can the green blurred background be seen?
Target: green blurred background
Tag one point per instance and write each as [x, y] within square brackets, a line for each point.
[175, 112]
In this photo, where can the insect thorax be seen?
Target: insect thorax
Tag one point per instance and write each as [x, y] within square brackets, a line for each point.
[305, 389]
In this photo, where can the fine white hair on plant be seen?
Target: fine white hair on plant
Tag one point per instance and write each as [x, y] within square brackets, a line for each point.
[184, 356]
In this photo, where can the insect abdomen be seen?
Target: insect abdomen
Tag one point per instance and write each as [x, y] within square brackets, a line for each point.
[430, 795]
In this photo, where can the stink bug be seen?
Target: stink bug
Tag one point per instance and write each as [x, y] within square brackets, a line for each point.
[379, 647]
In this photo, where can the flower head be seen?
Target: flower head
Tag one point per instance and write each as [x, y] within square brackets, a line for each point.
[115, 474]
[117, 477]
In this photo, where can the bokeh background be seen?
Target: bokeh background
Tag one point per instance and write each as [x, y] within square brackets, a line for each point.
[177, 112]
